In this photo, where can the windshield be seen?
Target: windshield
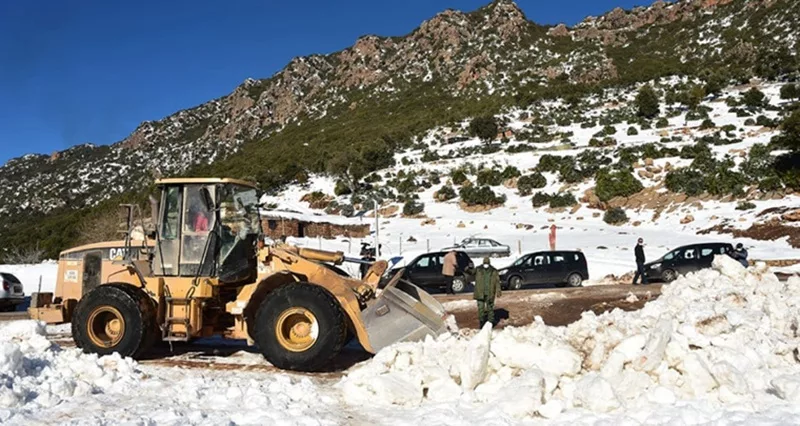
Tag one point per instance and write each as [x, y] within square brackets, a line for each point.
[519, 261]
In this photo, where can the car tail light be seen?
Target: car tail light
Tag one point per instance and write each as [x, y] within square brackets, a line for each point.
[6, 286]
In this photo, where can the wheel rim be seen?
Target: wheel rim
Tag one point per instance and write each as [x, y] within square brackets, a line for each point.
[297, 329]
[458, 285]
[516, 283]
[106, 326]
[669, 275]
[574, 280]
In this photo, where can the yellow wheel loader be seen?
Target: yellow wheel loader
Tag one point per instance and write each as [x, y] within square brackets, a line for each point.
[206, 271]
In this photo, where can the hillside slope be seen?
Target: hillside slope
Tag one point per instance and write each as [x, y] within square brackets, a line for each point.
[380, 94]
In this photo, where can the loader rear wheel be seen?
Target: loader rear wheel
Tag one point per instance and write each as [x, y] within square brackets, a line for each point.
[115, 318]
[300, 326]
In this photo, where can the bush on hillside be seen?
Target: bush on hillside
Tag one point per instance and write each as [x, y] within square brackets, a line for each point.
[480, 195]
[745, 205]
[615, 216]
[526, 184]
[445, 193]
[458, 177]
[616, 183]
[790, 91]
[413, 208]
[632, 131]
[707, 124]
[754, 99]
[510, 172]
[341, 188]
[662, 123]
[556, 200]
[484, 127]
[489, 177]
[647, 102]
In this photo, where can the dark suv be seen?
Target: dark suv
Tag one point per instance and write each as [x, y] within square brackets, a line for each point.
[546, 267]
[426, 271]
[685, 259]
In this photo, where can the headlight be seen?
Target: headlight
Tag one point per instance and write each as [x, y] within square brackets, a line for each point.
[503, 271]
[655, 266]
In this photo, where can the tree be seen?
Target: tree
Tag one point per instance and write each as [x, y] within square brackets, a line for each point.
[790, 137]
[754, 98]
[694, 96]
[647, 102]
[790, 92]
[484, 127]
[616, 183]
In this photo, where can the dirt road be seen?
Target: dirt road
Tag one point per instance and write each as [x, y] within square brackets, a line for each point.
[560, 306]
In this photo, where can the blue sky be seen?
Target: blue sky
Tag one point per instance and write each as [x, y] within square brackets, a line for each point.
[92, 70]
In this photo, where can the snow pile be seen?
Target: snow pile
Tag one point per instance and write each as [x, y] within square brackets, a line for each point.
[36, 373]
[718, 342]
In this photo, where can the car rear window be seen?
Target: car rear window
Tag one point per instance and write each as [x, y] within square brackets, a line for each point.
[10, 278]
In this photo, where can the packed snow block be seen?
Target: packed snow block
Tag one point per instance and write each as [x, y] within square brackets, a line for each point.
[474, 366]
[628, 350]
[787, 387]
[10, 360]
[729, 267]
[595, 393]
[697, 378]
[653, 353]
[523, 396]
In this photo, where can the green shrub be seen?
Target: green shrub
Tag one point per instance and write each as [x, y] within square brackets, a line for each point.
[483, 195]
[615, 216]
[754, 99]
[540, 199]
[510, 172]
[428, 156]
[484, 127]
[790, 91]
[445, 193]
[745, 205]
[662, 123]
[632, 131]
[685, 180]
[526, 184]
[490, 177]
[616, 183]
[762, 120]
[749, 122]
[458, 177]
[647, 102]
[553, 200]
[407, 186]
[562, 200]
[413, 208]
[707, 124]
[341, 188]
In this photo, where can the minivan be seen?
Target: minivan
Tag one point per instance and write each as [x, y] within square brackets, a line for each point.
[685, 259]
[426, 271]
[562, 268]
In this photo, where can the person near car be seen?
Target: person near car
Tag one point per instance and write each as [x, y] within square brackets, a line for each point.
[487, 288]
[740, 255]
[449, 270]
[640, 261]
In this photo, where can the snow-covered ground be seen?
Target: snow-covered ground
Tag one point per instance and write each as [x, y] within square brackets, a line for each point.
[719, 346]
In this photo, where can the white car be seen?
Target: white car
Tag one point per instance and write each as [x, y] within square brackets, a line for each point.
[11, 293]
[481, 247]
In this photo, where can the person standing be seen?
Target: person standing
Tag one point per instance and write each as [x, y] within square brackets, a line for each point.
[740, 255]
[640, 259]
[449, 270]
[487, 288]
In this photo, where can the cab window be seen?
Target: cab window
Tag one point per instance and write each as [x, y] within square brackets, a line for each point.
[169, 226]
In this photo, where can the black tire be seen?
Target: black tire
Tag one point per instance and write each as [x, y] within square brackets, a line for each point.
[137, 311]
[459, 284]
[574, 280]
[515, 283]
[669, 275]
[331, 325]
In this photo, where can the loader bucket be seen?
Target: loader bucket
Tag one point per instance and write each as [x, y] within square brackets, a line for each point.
[402, 313]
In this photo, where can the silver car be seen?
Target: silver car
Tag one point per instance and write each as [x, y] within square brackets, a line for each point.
[481, 247]
[11, 293]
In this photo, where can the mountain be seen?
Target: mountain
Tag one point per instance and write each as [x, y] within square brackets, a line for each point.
[323, 111]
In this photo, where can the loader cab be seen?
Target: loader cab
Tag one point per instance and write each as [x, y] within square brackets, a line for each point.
[207, 228]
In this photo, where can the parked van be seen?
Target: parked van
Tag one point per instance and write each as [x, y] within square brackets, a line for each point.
[685, 259]
[561, 268]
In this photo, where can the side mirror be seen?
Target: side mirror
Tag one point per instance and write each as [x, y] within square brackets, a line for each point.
[208, 202]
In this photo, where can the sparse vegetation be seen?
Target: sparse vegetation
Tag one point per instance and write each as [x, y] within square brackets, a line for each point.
[413, 208]
[484, 128]
[615, 216]
[480, 196]
[526, 184]
[445, 193]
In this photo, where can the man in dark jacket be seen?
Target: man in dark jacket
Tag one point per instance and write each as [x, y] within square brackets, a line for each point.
[740, 255]
[640, 260]
[487, 288]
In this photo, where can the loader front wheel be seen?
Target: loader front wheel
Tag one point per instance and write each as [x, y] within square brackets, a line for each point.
[114, 318]
[300, 327]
